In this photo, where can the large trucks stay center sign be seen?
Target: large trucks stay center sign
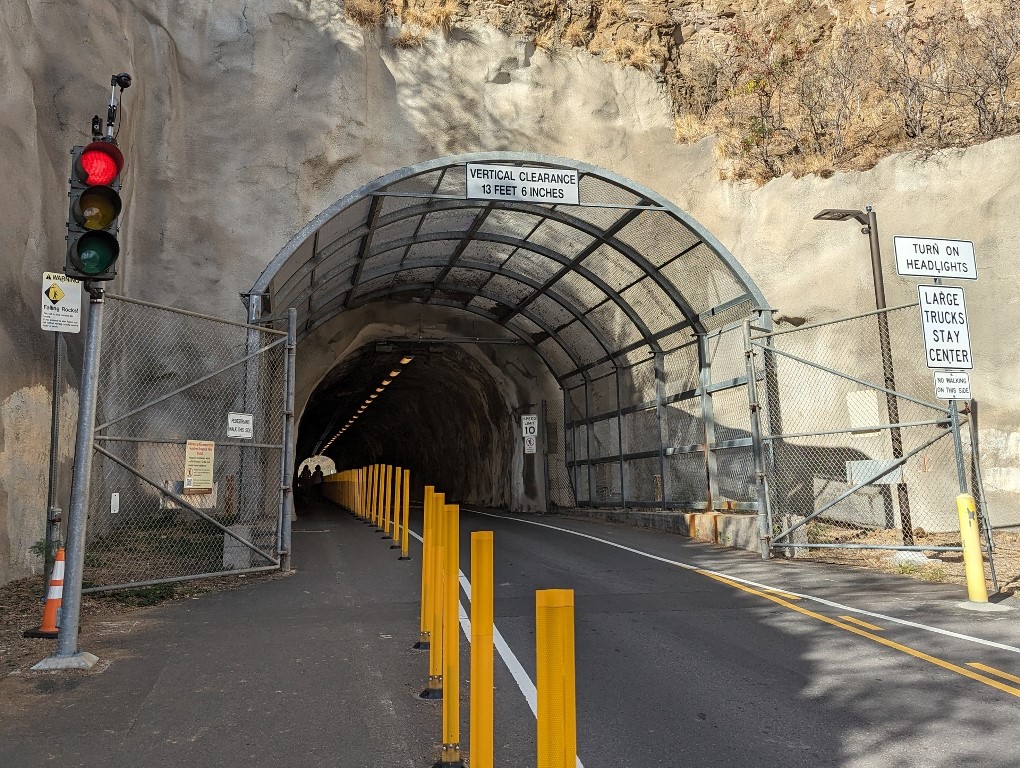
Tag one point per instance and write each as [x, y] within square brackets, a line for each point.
[944, 326]
[529, 184]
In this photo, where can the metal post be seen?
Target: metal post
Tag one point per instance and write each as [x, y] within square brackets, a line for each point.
[68, 656]
[588, 425]
[53, 512]
[288, 441]
[619, 436]
[979, 488]
[708, 422]
[759, 459]
[659, 364]
[888, 373]
[545, 452]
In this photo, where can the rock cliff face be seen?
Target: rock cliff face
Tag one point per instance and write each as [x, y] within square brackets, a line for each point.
[245, 120]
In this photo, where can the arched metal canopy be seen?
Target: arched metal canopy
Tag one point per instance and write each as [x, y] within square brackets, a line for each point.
[617, 277]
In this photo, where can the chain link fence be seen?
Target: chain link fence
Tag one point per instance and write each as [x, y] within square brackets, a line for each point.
[857, 452]
[167, 377]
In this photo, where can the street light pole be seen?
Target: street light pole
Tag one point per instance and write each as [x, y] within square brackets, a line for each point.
[870, 227]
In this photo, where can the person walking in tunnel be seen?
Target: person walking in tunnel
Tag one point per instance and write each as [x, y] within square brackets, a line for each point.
[317, 480]
[303, 483]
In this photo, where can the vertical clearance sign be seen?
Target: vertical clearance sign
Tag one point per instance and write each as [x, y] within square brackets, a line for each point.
[944, 327]
[523, 183]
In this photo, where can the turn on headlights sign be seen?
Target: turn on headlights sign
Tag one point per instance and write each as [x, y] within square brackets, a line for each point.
[524, 183]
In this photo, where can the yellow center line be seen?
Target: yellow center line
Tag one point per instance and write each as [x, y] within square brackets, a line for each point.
[860, 623]
[994, 671]
[781, 593]
[863, 633]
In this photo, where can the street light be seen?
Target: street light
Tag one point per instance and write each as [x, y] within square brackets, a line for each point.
[869, 223]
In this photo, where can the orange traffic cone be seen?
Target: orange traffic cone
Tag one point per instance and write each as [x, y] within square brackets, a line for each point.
[54, 596]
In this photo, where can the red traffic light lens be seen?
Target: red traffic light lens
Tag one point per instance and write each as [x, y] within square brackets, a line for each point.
[100, 163]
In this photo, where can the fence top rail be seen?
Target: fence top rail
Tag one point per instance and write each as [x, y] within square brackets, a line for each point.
[812, 326]
[199, 315]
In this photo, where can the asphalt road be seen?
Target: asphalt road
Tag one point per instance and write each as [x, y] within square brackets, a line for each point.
[684, 658]
[676, 667]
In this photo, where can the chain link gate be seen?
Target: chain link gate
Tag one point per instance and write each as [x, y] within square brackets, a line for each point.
[856, 453]
[166, 377]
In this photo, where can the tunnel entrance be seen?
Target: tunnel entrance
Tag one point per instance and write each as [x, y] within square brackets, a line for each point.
[601, 309]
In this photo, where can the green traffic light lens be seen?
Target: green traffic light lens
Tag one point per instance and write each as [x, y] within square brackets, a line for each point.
[95, 252]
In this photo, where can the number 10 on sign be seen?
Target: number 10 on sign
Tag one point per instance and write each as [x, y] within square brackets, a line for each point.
[529, 425]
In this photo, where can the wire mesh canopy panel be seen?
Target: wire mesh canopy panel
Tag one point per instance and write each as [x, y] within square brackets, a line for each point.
[613, 279]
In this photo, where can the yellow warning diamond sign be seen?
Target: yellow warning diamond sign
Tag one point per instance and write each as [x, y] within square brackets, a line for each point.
[61, 303]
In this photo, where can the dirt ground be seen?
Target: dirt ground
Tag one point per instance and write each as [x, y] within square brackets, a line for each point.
[944, 567]
[21, 609]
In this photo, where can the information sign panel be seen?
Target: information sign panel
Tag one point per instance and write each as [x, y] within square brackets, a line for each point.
[952, 385]
[944, 327]
[525, 183]
[934, 257]
[529, 444]
[198, 466]
[241, 425]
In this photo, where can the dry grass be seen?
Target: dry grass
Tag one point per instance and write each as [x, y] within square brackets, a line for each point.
[366, 13]
[439, 14]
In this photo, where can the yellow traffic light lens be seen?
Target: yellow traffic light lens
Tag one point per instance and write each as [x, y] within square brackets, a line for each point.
[97, 208]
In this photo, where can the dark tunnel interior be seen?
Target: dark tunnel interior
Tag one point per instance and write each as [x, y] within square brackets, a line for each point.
[443, 417]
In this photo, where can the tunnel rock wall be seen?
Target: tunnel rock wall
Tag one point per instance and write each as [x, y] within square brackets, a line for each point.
[245, 120]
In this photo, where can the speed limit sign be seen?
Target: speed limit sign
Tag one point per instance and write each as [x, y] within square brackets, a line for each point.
[529, 425]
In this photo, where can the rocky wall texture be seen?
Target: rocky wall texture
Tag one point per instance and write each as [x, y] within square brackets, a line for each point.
[247, 119]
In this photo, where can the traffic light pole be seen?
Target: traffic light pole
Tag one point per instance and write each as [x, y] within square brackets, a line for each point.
[53, 512]
[68, 656]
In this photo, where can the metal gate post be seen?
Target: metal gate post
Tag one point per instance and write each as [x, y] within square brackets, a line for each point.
[756, 441]
[67, 655]
[287, 486]
[249, 466]
[590, 466]
[619, 436]
[659, 365]
[708, 421]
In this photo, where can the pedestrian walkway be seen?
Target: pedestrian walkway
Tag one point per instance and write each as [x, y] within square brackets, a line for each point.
[315, 669]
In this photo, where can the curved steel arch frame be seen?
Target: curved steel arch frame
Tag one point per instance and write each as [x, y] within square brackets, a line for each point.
[635, 273]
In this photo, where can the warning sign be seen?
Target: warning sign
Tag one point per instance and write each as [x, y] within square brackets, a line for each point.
[525, 183]
[944, 326]
[61, 303]
[198, 466]
[530, 443]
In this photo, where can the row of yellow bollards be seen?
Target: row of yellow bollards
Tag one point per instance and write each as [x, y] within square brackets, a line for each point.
[367, 492]
[378, 494]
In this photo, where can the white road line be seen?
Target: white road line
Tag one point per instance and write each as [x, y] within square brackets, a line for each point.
[513, 664]
[812, 598]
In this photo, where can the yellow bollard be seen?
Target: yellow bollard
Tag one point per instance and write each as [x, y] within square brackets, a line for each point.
[404, 535]
[379, 479]
[398, 475]
[426, 570]
[451, 638]
[554, 678]
[977, 591]
[481, 695]
[387, 514]
[436, 595]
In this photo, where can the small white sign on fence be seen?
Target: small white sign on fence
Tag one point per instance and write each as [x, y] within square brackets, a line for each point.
[952, 385]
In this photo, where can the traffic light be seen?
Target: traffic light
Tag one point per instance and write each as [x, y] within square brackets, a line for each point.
[92, 247]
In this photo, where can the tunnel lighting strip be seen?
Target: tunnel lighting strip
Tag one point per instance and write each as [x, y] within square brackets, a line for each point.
[371, 398]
